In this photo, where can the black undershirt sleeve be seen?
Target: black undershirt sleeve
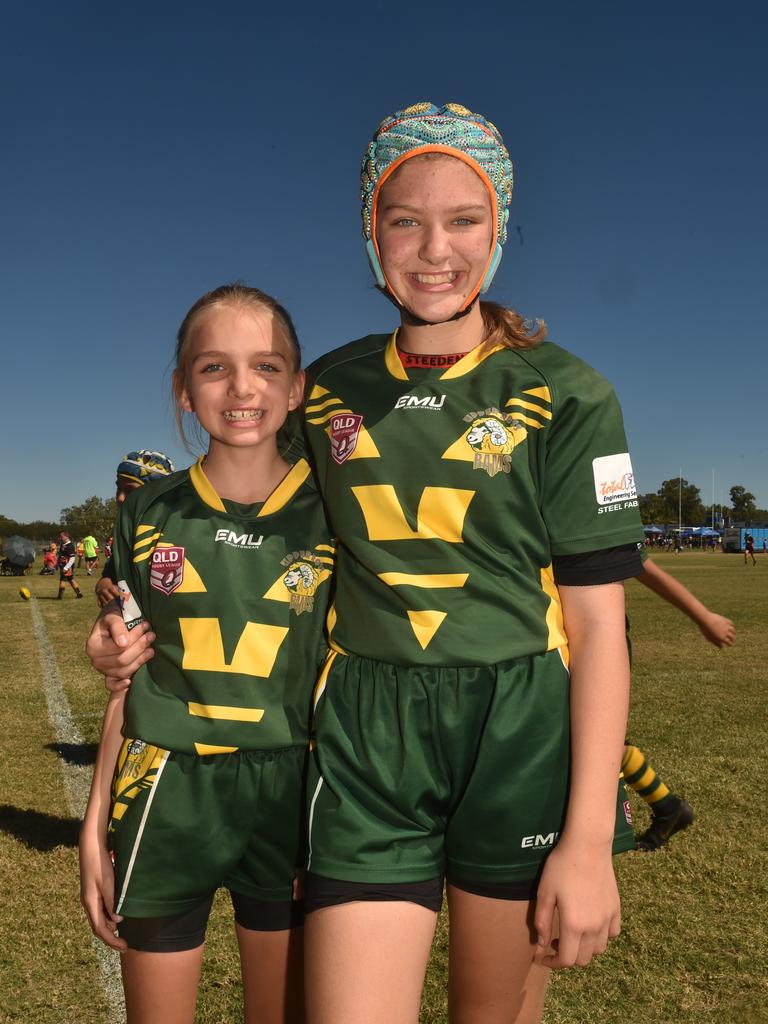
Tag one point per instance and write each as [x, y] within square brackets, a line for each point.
[591, 568]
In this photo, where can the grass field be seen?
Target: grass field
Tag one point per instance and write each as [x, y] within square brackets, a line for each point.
[694, 945]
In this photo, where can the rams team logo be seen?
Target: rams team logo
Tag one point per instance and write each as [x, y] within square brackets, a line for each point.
[492, 436]
[302, 579]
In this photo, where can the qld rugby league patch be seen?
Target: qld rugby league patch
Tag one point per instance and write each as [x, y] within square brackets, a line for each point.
[166, 572]
[345, 430]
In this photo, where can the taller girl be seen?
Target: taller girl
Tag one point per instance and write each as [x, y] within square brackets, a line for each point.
[470, 718]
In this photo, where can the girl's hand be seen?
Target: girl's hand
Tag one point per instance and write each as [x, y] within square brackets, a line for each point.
[97, 890]
[579, 885]
[106, 591]
[116, 652]
[718, 630]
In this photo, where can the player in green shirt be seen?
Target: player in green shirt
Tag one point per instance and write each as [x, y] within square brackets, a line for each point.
[230, 561]
[91, 552]
[470, 718]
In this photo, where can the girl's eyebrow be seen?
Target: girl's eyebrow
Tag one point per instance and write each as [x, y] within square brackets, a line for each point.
[215, 354]
[466, 208]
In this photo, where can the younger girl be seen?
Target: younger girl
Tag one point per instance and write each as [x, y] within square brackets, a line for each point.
[207, 788]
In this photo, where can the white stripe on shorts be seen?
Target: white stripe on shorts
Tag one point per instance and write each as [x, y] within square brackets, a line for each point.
[139, 834]
[311, 818]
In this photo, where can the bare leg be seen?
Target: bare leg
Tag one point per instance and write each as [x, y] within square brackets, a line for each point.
[494, 977]
[161, 988]
[365, 962]
[272, 965]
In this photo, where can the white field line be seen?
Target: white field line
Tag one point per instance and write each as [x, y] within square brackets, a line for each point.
[77, 783]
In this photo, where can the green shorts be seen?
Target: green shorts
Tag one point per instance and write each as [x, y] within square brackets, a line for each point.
[423, 771]
[183, 825]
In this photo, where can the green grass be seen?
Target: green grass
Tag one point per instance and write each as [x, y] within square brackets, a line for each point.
[693, 948]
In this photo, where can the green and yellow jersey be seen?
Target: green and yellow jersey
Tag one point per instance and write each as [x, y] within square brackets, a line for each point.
[450, 489]
[237, 595]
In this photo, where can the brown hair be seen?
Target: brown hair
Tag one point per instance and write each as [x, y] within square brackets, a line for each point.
[504, 326]
[235, 294]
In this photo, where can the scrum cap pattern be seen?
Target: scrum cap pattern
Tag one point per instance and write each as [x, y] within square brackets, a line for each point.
[424, 125]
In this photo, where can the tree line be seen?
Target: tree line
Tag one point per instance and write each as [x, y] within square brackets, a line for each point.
[679, 497]
[95, 515]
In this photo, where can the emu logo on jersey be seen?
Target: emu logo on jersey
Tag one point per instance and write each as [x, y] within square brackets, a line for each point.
[238, 540]
[302, 579]
[491, 437]
[167, 570]
[539, 841]
[414, 402]
[344, 432]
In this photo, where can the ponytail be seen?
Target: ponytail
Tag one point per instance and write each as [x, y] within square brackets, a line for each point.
[507, 327]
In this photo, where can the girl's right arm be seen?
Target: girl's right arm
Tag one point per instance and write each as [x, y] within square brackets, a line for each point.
[97, 877]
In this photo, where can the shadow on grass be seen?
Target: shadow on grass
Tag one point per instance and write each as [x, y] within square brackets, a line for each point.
[75, 753]
[43, 832]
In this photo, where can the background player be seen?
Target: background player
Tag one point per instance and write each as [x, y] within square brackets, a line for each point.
[91, 552]
[66, 557]
[670, 813]
[133, 470]
[209, 781]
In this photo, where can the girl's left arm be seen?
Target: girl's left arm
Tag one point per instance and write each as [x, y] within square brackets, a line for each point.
[578, 884]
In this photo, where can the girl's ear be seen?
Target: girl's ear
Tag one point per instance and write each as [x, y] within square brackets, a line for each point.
[297, 391]
[183, 400]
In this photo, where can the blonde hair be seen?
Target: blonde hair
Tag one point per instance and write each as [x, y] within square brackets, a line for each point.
[235, 294]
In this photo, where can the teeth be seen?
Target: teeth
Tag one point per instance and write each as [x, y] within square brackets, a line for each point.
[444, 278]
[243, 414]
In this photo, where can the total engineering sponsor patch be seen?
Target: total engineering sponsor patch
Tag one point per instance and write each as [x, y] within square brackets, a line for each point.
[614, 482]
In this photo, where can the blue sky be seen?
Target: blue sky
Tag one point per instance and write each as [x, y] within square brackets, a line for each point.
[153, 151]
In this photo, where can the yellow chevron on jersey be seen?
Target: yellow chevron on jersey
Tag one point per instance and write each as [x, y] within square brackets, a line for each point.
[429, 581]
[226, 713]
[441, 513]
[425, 624]
[254, 655]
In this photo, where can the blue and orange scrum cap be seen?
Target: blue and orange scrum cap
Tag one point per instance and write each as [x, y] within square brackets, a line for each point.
[143, 466]
[455, 131]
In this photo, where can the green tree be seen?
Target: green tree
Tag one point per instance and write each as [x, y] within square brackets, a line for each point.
[651, 508]
[742, 502]
[680, 494]
[95, 516]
